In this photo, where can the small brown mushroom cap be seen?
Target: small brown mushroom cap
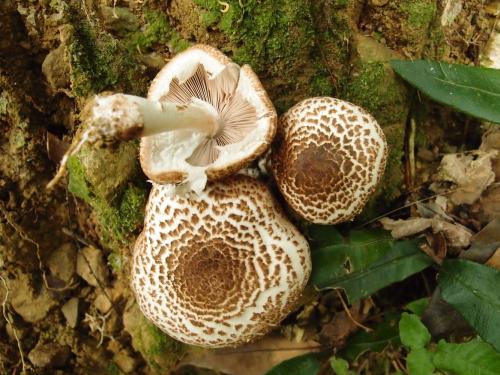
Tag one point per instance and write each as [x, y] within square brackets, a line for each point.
[221, 268]
[328, 159]
[248, 119]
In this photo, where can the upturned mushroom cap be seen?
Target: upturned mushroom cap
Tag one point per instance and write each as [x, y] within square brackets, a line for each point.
[328, 159]
[220, 268]
[246, 127]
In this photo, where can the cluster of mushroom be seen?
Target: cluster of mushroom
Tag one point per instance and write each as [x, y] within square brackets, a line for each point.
[218, 263]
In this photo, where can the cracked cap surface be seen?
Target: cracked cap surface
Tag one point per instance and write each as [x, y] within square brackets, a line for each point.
[221, 268]
[328, 159]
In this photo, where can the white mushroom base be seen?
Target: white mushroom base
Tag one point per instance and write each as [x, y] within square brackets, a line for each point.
[220, 268]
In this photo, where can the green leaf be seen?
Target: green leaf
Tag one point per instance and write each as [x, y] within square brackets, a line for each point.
[473, 290]
[307, 364]
[414, 334]
[384, 334]
[340, 366]
[473, 357]
[418, 306]
[419, 362]
[469, 89]
[324, 235]
[366, 262]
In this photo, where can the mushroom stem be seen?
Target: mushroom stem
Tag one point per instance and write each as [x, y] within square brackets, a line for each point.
[125, 117]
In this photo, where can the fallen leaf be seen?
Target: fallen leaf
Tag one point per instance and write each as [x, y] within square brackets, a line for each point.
[470, 174]
[252, 359]
[335, 333]
[55, 148]
[456, 235]
[436, 207]
[489, 204]
[494, 261]
[405, 228]
[491, 141]
[484, 243]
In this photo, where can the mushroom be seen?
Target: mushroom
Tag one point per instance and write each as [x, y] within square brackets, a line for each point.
[328, 159]
[220, 268]
[204, 118]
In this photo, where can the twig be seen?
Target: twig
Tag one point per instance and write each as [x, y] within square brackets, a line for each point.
[225, 5]
[346, 309]
[406, 206]
[9, 322]
[94, 325]
[411, 150]
[243, 351]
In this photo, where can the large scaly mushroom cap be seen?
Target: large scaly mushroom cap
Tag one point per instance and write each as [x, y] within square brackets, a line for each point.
[246, 126]
[328, 159]
[220, 268]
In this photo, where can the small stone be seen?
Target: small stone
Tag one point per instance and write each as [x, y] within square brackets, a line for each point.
[70, 312]
[31, 305]
[49, 355]
[125, 362]
[62, 262]
[56, 69]
[119, 19]
[102, 303]
[153, 61]
[90, 265]
[378, 3]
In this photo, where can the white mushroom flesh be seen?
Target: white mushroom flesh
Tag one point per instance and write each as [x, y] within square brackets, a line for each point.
[246, 119]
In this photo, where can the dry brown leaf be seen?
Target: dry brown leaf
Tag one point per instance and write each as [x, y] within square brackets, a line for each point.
[335, 333]
[489, 205]
[491, 141]
[494, 261]
[251, 359]
[470, 174]
[456, 235]
[404, 228]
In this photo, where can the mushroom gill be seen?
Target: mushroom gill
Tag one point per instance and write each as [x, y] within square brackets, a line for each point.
[237, 117]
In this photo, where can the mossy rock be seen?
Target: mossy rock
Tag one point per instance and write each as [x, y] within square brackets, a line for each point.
[98, 61]
[109, 180]
[296, 51]
[374, 86]
[161, 352]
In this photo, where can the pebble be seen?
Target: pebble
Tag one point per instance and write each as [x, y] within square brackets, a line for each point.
[49, 355]
[90, 256]
[70, 311]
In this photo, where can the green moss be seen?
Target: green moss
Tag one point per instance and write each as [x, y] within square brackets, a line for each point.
[115, 261]
[98, 61]
[113, 369]
[290, 44]
[420, 12]
[156, 30]
[3, 104]
[120, 209]
[77, 184]
[374, 87]
[160, 351]
[160, 342]
[321, 85]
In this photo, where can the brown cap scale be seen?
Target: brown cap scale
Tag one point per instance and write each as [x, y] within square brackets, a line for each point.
[246, 119]
[328, 159]
[220, 268]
